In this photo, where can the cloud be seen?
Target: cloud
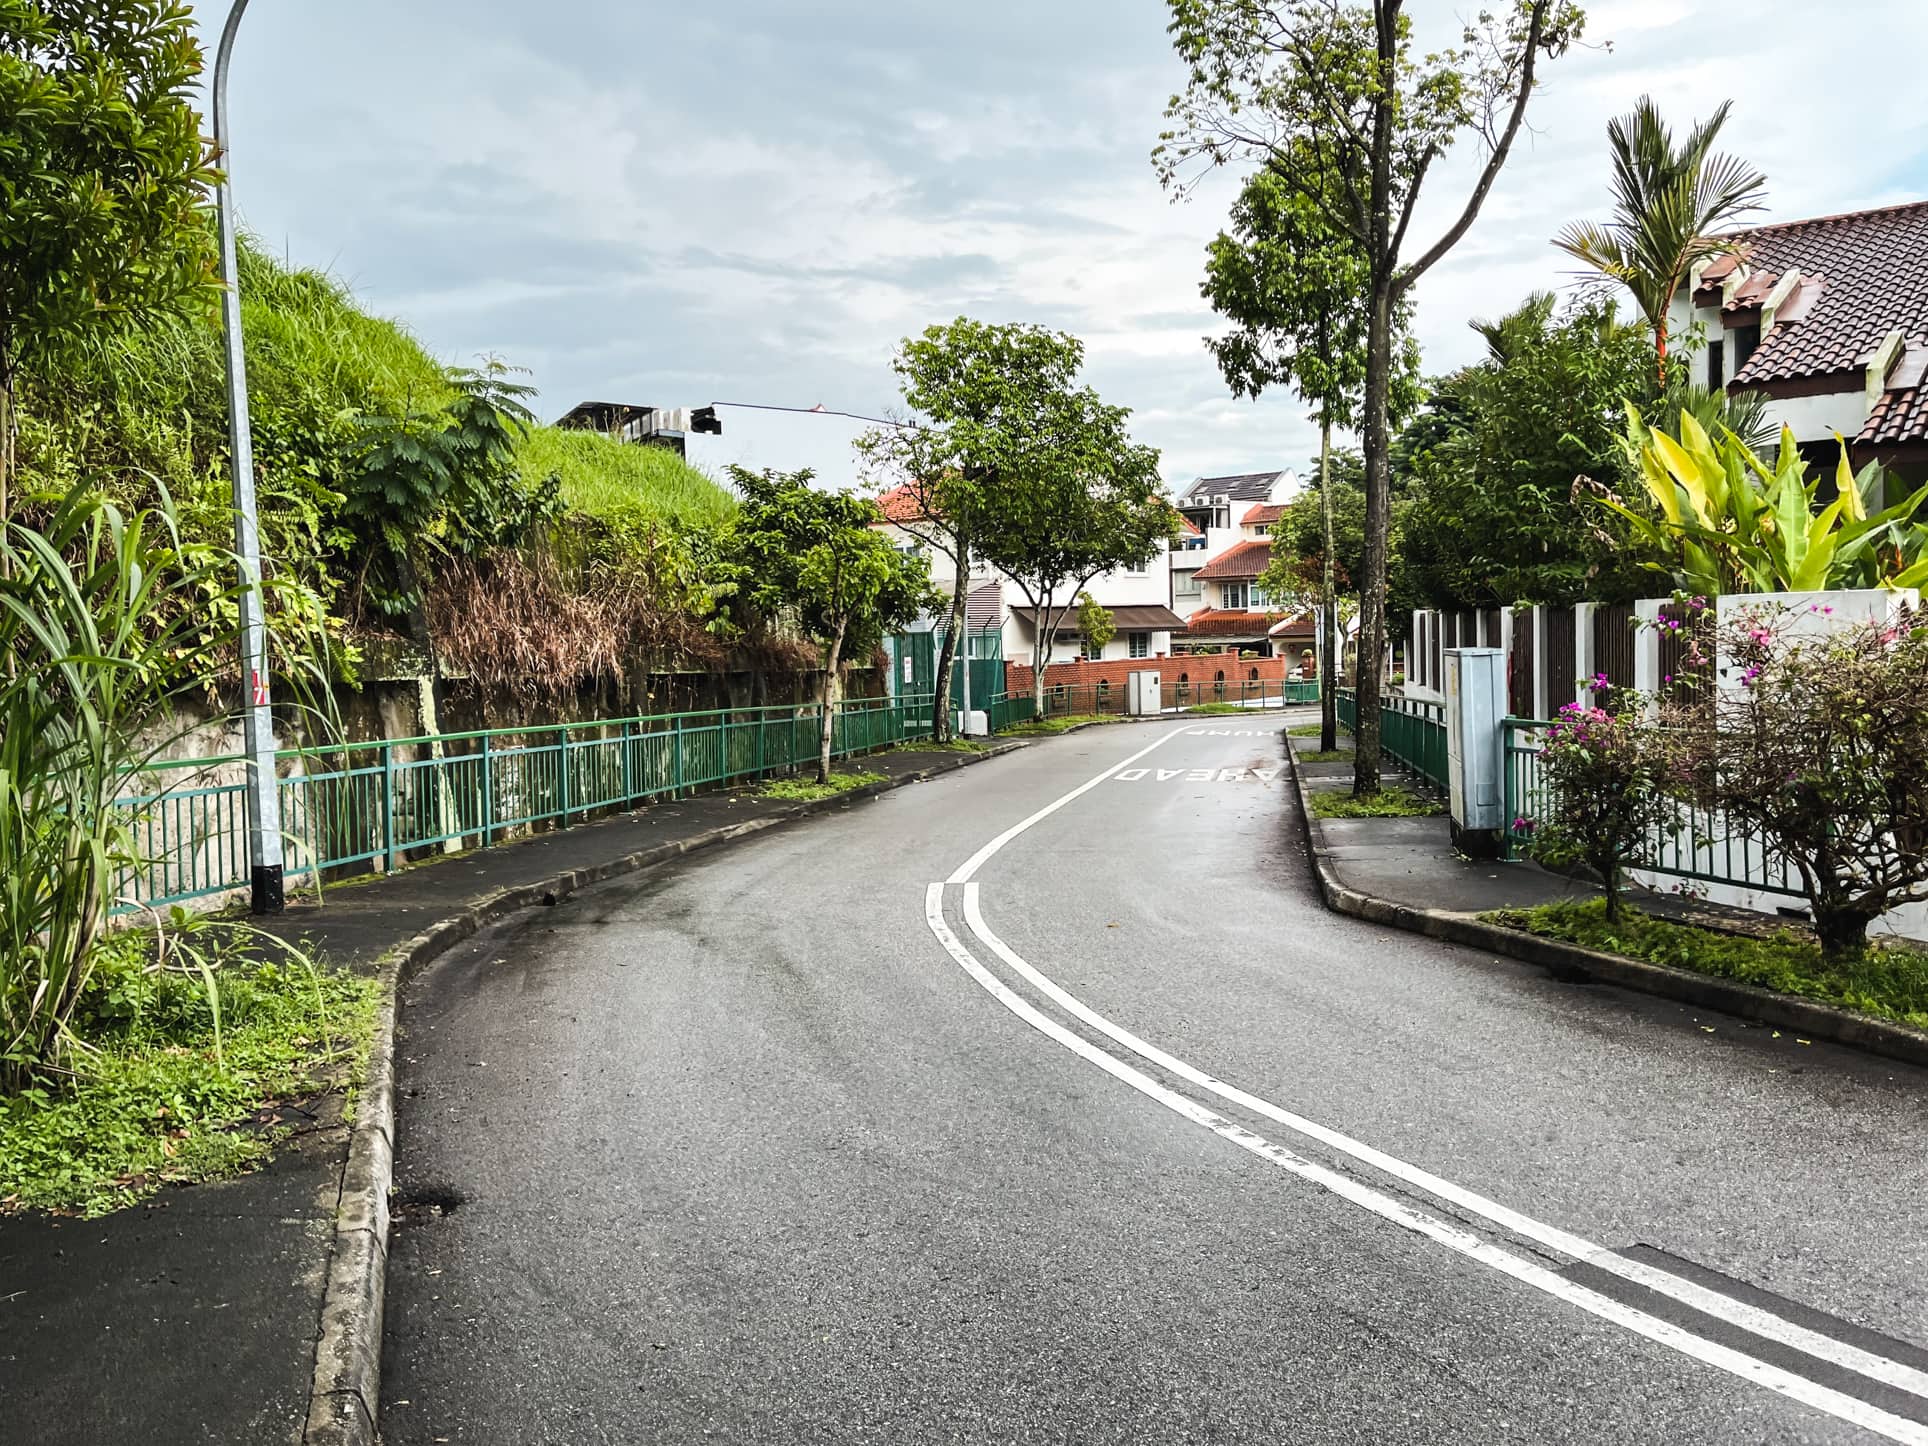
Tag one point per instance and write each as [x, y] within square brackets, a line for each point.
[675, 206]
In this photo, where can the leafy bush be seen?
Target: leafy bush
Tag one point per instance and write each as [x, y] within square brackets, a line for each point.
[1608, 779]
[1822, 747]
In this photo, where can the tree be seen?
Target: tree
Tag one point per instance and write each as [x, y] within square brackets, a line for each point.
[1330, 96]
[1296, 289]
[1096, 623]
[816, 559]
[1667, 204]
[981, 391]
[1491, 462]
[105, 175]
[1087, 502]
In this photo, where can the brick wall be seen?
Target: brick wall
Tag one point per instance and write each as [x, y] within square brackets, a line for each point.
[1195, 668]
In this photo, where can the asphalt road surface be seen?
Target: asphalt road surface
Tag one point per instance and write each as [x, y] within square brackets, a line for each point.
[1044, 1103]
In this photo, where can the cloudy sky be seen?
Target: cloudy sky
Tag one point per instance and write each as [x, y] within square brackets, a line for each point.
[680, 204]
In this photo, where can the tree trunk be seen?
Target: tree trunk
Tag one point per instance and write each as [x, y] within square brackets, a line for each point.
[1372, 587]
[1843, 932]
[1328, 599]
[827, 724]
[1660, 349]
[947, 651]
[1041, 654]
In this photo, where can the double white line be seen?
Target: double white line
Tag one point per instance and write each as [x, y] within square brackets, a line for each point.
[1753, 1319]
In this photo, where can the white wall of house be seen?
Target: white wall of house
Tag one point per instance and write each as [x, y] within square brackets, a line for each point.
[1811, 419]
[1188, 593]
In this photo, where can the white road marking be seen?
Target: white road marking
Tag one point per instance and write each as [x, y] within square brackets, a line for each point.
[1463, 1242]
[1736, 1312]
[1711, 1302]
[976, 860]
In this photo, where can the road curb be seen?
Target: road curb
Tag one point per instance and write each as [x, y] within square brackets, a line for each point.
[1806, 1017]
[344, 1403]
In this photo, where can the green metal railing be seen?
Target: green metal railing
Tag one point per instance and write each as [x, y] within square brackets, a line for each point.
[1697, 844]
[365, 802]
[1412, 732]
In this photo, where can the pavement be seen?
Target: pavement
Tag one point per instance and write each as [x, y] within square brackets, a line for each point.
[1047, 1103]
[193, 1317]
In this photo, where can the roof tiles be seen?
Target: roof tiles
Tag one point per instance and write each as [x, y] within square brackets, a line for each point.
[1244, 559]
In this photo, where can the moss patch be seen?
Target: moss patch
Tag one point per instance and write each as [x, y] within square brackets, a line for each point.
[807, 790]
[1387, 803]
[1887, 982]
[1046, 727]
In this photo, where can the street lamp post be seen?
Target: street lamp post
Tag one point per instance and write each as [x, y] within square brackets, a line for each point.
[264, 804]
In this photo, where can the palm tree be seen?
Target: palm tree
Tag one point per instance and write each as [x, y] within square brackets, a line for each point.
[1667, 204]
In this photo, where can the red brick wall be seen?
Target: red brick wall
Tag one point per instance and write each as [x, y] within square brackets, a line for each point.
[1197, 668]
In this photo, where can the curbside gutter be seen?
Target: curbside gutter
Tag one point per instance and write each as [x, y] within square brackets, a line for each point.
[344, 1401]
[1806, 1017]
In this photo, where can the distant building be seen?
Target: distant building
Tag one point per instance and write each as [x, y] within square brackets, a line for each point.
[647, 426]
[1220, 513]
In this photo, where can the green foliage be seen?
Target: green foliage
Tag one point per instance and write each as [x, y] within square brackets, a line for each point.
[1670, 204]
[815, 559]
[1889, 983]
[1822, 750]
[1386, 803]
[1326, 755]
[1491, 462]
[104, 173]
[621, 484]
[440, 481]
[169, 1078]
[1217, 708]
[1096, 624]
[91, 670]
[1717, 519]
[805, 790]
[1609, 778]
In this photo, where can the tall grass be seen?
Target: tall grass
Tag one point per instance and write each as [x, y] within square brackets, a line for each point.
[621, 483]
[91, 667]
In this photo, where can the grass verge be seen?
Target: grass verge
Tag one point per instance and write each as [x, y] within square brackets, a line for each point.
[1387, 803]
[1064, 722]
[163, 1095]
[1303, 730]
[1333, 755]
[1216, 708]
[956, 745]
[808, 790]
[1887, 982]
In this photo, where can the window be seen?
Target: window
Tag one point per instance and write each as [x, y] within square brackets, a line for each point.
[1716, 365]
[1232, 595]
[1256, 599]
[1746, 338]
[1091, 651]
[1262, 529]
[1140, 644]
[1186, 584]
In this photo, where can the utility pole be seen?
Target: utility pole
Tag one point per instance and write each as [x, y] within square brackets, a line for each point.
[264, 803]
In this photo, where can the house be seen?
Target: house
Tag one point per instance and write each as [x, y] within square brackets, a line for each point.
[1828, 320]
[1218, 514]
[1137, 599]
[1235, 611]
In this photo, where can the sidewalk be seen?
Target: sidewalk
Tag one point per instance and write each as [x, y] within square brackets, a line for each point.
[194, 1317]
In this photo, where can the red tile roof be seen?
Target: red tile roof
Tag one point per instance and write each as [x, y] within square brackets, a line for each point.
[901, 504]
[1875, 266]
[1263, 512]
[1225, 623]
[1900, 416]
[1190, 528]
[1244, 559]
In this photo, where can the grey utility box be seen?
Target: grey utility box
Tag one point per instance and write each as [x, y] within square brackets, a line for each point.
[1475, 704]
[1142, 698]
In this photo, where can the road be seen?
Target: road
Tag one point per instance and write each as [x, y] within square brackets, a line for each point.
[1044, 1103]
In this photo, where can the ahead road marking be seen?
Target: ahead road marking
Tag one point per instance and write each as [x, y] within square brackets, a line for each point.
[1751, 1318]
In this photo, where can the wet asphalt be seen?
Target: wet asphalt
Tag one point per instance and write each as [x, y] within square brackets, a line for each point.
[737, 1151]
